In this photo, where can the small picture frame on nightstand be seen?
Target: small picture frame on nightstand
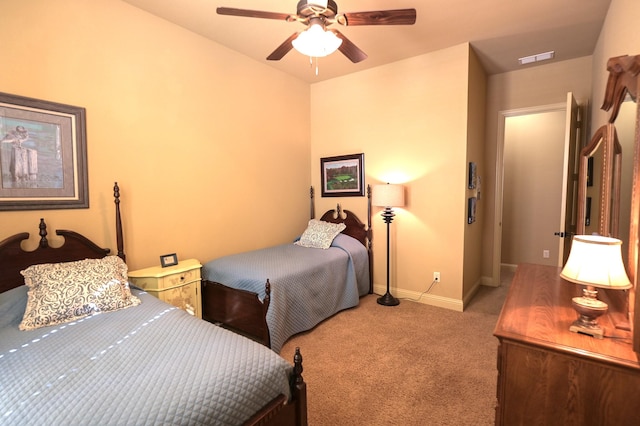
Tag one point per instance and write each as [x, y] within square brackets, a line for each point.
[168, 260]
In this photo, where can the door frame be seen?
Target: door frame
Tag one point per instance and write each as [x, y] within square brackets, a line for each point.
[499, 182]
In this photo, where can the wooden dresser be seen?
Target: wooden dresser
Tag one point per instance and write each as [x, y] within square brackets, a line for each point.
[548, 375]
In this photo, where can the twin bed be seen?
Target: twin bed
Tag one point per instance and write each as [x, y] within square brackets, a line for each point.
[68, 358]
[273, 293]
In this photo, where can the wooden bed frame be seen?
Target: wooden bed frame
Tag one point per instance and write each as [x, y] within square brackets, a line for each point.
[13, 259]
[243, 312]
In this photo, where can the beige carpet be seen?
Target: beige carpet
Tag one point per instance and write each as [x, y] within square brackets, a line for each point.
[411, 364]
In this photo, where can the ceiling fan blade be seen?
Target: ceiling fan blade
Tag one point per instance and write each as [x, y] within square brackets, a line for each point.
[379, 17]
[283, 49]
[348, 49]
[255, 14]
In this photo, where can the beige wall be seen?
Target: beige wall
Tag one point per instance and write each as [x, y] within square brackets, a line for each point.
[476, 124]
[530, 87]
[619, 36]
[211, 149]
[410, 120]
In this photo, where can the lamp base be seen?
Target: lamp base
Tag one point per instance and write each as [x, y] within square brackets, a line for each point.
[388, 300]
[589, 309]
[594, 330]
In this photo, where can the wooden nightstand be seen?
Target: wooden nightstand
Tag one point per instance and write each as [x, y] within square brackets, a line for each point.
[178, 285]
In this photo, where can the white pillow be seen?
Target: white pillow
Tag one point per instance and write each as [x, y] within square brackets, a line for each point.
[320, 234]
[63, 292]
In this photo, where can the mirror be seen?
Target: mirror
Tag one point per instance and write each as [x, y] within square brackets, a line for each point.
[599, 181]
[625, 127]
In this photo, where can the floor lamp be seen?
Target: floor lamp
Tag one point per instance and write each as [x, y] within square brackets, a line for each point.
[388, 196]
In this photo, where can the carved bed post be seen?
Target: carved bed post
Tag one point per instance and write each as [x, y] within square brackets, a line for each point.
[312, 212]
[44, 243]
[299, 389]
[119, 238]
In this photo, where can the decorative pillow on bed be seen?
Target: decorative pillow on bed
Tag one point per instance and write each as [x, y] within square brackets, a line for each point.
[63, 292]
[320, 234]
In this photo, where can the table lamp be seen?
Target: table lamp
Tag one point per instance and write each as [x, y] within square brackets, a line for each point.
[594, 261]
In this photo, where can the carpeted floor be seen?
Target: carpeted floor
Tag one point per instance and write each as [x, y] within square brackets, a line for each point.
[411, 364]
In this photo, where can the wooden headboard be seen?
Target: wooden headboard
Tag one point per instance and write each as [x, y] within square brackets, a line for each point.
[354, 226]
[13, 258]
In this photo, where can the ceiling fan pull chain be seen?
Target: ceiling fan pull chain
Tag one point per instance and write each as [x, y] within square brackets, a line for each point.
[311, 63]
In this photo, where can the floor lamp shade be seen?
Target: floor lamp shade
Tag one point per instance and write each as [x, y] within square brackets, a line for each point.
[388, 196]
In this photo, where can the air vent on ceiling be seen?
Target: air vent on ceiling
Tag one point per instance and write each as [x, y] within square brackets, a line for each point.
[537, 58]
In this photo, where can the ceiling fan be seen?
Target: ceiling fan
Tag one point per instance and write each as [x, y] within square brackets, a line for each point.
[317, 15]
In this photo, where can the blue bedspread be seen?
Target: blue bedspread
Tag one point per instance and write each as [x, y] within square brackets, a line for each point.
[149, 364]
[308, 285]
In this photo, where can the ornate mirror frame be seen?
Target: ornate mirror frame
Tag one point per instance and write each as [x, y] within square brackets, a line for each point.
[604, 142]
[624, 72]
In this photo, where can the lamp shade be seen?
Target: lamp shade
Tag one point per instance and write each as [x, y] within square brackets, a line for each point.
[316, 42]
[388, 195]
[596, 261]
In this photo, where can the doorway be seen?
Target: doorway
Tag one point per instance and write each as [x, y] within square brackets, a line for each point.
[533, 185]
[532, 191]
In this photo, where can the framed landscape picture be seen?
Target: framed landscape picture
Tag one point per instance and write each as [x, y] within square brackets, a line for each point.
[342, 176]
[43, 155]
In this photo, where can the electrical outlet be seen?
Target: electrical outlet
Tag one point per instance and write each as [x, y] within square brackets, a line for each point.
[545, 254]
[436, 277]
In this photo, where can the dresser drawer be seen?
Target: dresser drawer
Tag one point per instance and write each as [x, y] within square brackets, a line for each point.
[168, 282]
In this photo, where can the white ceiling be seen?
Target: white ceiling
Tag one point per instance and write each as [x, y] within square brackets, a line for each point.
[500, 31]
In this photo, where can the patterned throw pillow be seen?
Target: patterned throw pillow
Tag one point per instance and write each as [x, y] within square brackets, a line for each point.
[320, 234]
[63, 292]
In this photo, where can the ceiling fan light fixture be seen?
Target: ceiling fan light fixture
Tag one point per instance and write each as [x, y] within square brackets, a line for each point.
[315, 42]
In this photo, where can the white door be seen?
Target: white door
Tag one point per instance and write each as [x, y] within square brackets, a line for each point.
[573, 144]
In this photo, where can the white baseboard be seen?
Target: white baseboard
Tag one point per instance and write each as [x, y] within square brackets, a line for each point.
[509, 266]
[473, 292]
[489, 282]
[426, 298]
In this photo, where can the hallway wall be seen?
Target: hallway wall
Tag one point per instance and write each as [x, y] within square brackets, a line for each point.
[532, 195]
